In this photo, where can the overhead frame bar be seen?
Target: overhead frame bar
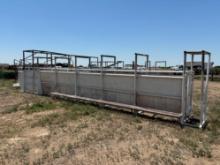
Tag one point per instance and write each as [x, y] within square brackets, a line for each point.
[160, 62]
[51, 56]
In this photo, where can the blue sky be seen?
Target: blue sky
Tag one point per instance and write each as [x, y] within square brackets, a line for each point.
[161, 28]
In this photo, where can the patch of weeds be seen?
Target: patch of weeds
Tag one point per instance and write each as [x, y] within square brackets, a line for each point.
[82, 125]
[25, 148]
[154, 159]
[134, 152]
[9, 131]
[83, 109]
[70, 149]
[38, 162]
[214, 115]
[92, 137]
[204, 152]
[10, 110]
[201, 150]
[174, 153]
[139, 127]
[137, 120]
[189, 143]
[102, 115]
[45, 157]
[38, 107]
[6, 83]
[73, 112]
[169, 160]
[49, 120]
[60, 152]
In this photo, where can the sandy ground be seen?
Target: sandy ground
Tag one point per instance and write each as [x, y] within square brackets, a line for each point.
[53, 136]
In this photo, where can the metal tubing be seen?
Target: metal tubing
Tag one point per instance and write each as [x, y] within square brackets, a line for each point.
[202, 115]
[108, 56]
[146, 61]
[23, 60]
[191, 85]
[89, 62]
[135, 79]
[207, 83]
[69, 60]
[51, 60]
[158, 62]
[47, 59]
[32, 59]
[76, 76]
[183, 110]
[102, 77]
[184, 65]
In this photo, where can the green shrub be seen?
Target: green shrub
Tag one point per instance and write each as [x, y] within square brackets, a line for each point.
[6, 74]
[215, 71]
[41, 106]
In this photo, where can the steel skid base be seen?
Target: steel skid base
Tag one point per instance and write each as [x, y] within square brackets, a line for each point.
[194, 122]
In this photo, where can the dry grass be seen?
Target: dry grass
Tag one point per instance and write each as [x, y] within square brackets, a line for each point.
[40, 130]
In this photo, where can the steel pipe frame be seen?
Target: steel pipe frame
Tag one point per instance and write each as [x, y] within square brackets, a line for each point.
[97, 61]
[114, 64]
[159, 62]
[66, 58]
[107, 56]
[50, 55]
[122, 62]
[186, 91]
[76, 69]
[42, 58]
[204, 85]
[141, 55]
[135, 72]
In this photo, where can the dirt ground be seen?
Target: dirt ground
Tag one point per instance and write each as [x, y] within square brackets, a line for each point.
[40, 130]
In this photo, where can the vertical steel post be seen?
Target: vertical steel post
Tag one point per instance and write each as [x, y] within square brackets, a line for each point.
[147, 62]
[202, 113]
[23, 59]
[206, 84]
[23, 71]
[97, 60]
[37, 62]
[56, 79]
[69, 61]
[32, 59]
[184, 65]
[51, 60]
[135, 79]
[47, 59]
[89, 62]
[183, 110]
[184, 101]
[55, 61]
[102, 77]
[76, 76]
[192, 83]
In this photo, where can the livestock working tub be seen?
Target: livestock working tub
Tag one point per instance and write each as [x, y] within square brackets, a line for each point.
[166, 93]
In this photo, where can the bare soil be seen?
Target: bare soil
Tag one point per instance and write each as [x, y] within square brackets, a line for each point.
[40, 130]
